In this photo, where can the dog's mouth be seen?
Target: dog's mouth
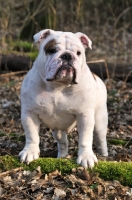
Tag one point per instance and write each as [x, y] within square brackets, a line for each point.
[65, 74]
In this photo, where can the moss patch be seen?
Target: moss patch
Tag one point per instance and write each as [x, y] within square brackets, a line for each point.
[121, 171]
[32, 55]
[119, 142]
[9, 162]
[22, 46]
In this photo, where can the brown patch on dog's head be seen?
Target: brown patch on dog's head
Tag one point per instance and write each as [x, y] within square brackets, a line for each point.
[50, 46]
[94, 75]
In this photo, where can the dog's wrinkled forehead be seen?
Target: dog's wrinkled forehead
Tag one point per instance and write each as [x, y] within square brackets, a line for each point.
[66, 39]
[64, 42]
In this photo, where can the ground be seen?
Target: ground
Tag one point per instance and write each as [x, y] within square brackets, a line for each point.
[23, 184]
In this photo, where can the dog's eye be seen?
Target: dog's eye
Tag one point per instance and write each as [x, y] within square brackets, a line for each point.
[78, 53]
[51, 51]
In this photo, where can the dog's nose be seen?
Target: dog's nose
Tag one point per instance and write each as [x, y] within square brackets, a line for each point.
[66, 56]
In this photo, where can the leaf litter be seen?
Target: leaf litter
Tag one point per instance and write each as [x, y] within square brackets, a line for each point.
[22, 184]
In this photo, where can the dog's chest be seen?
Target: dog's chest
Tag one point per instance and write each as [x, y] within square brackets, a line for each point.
[55, 109]
[50, 102]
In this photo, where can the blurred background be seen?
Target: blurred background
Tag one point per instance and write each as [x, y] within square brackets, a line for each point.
[107, 23]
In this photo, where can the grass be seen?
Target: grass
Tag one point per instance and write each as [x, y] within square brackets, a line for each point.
[117, 142]
[13, 136]
[23, 46]
[32, 55]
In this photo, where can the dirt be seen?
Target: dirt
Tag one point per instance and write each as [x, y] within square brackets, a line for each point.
[20, 184]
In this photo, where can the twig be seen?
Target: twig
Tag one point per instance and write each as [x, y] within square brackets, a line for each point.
[95, 61]
[127, 76]
[124, 11]
[11, 171]
[13, 73]
[106, 68]
[128, 142]
[101, 61]
[7, 151]
[19, 190]
[27, 194]
[3, 129]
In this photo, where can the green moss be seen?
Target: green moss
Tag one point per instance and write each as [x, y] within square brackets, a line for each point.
[120, 142]
[9, 162]
[23, 46]
[21, 138]
[113, 92]
[94, 186]
[50, 164]
[2, 134]
[10, 84]
[121, 171]
[117, 142]
[32, 55]
[47, 164]
[12, 134]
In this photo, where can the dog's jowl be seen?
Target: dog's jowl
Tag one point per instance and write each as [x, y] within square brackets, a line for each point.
[61, 92]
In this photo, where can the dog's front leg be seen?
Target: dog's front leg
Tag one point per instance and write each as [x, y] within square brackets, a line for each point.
[31, 125]
[85, 126]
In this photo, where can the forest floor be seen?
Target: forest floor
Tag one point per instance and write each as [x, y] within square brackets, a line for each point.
[22, 184]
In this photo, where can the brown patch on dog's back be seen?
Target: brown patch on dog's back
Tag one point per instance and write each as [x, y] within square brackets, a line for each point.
[49, 45]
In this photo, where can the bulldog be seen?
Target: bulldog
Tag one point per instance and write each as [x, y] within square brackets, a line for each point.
[61, 92]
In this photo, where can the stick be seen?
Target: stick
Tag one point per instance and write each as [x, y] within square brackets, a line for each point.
[100, 61]
[11, 171]
[13, 73]
[95, 61]
[128, 76]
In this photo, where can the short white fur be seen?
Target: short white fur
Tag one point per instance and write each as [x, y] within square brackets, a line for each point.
[61, 107]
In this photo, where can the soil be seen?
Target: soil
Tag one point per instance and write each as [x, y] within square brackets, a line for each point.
[21, 184]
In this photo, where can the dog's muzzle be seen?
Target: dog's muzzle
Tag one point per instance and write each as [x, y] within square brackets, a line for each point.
[66, 72]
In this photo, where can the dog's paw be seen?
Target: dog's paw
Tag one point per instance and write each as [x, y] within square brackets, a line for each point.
[62, 150]
[29, 153]
[86, 158]
[62, 154]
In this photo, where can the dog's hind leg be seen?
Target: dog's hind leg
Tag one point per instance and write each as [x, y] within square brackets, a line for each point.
[100, 131]
[62, 142]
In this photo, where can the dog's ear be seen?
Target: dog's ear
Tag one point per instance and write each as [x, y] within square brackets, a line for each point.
[40, 36]
[84, 39]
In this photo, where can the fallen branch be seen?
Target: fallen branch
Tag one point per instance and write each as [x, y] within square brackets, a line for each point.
[11, 171]
[13, 73]
[105, 64]
[108, 170]
[95, 61]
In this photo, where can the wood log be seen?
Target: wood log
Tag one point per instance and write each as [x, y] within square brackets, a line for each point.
[13, 62]
[111, 70]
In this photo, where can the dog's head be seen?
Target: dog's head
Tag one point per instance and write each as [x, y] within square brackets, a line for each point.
[61, 55]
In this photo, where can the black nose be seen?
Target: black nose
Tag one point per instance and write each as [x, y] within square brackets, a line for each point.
[66, 56]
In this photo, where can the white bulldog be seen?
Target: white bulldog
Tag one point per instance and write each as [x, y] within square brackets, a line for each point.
[61, 92]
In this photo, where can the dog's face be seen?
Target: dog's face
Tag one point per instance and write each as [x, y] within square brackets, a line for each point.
[61, 55]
